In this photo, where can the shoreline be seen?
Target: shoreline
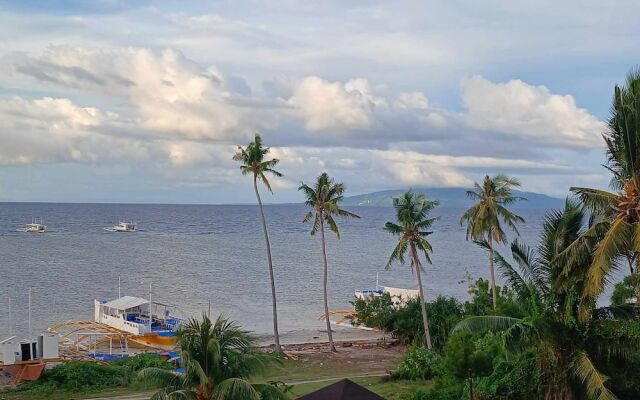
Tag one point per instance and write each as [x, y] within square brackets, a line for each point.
[318, 337]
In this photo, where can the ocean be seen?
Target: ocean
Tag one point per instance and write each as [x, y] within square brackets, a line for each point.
[201, 256]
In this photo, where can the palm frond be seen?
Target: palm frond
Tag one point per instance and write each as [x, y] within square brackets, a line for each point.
[235, 389]
[486, 323]
[592, 380]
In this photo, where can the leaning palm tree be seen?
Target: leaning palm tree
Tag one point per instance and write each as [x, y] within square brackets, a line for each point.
[218, 359]
[483, 218]
[252, 159]
[618, 212]
[324, 198]
[550, 287]
[412, 213]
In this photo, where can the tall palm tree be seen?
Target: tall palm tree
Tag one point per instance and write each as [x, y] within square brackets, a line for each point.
[550, 287]
[324, 198]
[483, 218]
[412, 213]
[218, 359]
[252, 160]
[618, 212]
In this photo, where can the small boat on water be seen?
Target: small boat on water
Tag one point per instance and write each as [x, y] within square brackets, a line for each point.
[123, 226]
[36, 226]
[149, 322]
[399, 294]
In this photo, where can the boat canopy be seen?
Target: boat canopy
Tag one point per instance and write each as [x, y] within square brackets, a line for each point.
[126, 302]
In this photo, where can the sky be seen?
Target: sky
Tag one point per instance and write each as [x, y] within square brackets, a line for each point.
[147, 101]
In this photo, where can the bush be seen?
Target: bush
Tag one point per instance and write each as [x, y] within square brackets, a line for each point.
[404, 321]
[77, 376]
[141, 361]
[445, 388]
[625, 290]
[481, 302]
[518, 378]
[418, 363]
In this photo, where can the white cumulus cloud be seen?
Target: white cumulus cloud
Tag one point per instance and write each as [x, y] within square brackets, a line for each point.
[532, 112]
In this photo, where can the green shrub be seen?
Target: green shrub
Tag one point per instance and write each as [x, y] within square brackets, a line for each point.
[518, 378]
[445, 388]
[76, 376]
[481, 302]
[141, 361]
[625, 290]
[404, 321]
[418, 363]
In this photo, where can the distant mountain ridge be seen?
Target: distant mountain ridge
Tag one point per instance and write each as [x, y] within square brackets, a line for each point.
[449, 197]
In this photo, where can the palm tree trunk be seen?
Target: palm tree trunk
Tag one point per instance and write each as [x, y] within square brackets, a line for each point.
[276, 335]
[425, 321]
[493, 273]
[636, 282]
[332, 347]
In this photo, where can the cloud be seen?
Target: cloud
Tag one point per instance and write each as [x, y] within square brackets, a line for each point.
[324, 105]
[179, 120]
[169, 94]
[531, 112]
[53, 130]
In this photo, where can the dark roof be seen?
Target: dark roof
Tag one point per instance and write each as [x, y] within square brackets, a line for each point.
[342, 390]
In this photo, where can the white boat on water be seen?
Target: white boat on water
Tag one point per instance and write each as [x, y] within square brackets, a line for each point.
[36, 226]
[401, 295]
[131, 314]
[123, 226]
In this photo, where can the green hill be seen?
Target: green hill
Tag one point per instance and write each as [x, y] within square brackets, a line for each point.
[449, 197]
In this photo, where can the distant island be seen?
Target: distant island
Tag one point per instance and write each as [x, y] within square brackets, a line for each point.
[448, 197]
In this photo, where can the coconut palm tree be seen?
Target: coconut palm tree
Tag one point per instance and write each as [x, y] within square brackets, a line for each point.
[412, 213]
[252, 160]
[550, 286]
[483, 218]
[324, 199]
[618, 212]
[218, 359]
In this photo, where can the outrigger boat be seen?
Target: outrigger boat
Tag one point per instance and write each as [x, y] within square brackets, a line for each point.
[123, 226]
[36, 226]
[400, 294]
[132, 315]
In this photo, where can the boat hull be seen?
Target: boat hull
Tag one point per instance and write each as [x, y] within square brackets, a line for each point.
[154, 339]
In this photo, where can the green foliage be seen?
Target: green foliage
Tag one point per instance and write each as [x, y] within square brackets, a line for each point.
[467, 356]
[218, 358]
[142, 361]
[375, 312]
[404, 320]
[82, 376]
[516, 378]
[481, 302]
[445, 388]
[418, 363]
[79, 376]
[625, 290]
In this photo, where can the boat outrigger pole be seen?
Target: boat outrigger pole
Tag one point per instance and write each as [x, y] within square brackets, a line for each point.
[29, 313]
[150, 312]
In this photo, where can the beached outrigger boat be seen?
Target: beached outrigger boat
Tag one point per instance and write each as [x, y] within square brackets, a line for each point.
[131, 314]
[401, 295]
[36, 226]
[122, 226]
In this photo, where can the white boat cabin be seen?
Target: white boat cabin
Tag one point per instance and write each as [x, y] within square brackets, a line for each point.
[131, 314]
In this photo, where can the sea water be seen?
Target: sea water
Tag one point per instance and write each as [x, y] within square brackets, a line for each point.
[198, 257]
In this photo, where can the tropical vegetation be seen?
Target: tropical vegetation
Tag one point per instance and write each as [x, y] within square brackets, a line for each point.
[324, 199]
[483, 219]
[253, 162]
[217, 358]
[617, 213]
[413, 224]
